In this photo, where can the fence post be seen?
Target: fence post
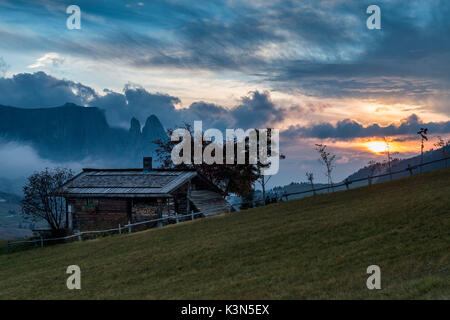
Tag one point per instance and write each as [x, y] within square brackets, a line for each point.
[120, 230]
[42, 242]
[409, 169]
[192, 214]
[346, 184]
[129, 226]
[80, 237]
[369, 179]
[176, 217]
[9, 247]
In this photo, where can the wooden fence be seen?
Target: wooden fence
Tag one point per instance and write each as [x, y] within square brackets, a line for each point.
[128, 228]
[410, 169]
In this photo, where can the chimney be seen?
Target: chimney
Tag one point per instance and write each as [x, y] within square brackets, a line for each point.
[147, 164]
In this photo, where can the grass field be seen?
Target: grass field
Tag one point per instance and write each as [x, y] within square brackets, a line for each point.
[312, 248]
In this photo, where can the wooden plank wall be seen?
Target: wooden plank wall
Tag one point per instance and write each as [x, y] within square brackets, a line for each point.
[109, 213]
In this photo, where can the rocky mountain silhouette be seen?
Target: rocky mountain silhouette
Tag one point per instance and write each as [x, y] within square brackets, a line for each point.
[71, 133]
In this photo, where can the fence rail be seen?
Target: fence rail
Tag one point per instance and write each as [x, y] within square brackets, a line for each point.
[120, 228]
[347, 183]
[129, 226]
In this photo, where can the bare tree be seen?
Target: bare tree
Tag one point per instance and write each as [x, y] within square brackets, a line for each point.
[41, 200]
[310, 177]
[327, 159]
[390, 161]
[444, 146]
[388, 154]
[423, 135]
[262, 179]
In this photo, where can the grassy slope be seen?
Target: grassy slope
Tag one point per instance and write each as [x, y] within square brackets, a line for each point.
[316, 247]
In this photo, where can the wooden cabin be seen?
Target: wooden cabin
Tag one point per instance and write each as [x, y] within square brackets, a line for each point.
[104, 198]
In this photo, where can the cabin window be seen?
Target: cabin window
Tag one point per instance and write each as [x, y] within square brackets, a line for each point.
[92, 202]
[91, 206]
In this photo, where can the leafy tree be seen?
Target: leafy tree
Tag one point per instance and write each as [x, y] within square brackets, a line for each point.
[232, 178]
[41, 199]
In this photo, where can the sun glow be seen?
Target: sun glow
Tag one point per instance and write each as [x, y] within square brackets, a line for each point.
[376, 146]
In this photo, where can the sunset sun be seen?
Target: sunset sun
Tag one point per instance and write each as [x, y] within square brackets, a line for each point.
[376, 146]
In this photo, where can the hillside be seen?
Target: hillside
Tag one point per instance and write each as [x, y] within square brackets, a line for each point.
[317, 247]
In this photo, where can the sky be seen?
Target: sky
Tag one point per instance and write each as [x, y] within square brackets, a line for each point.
[309, 68]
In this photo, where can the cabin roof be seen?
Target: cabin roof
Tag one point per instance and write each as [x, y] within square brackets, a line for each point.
[126, 183]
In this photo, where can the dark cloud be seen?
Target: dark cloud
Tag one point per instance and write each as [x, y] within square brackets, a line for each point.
[349, 129]
[256, 110]
[213, 115]
[36, 90]
[136, 102]
[32, 90]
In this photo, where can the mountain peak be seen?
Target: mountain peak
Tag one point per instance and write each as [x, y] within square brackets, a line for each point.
[153, 121]
[135, 126]
[153, 129]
